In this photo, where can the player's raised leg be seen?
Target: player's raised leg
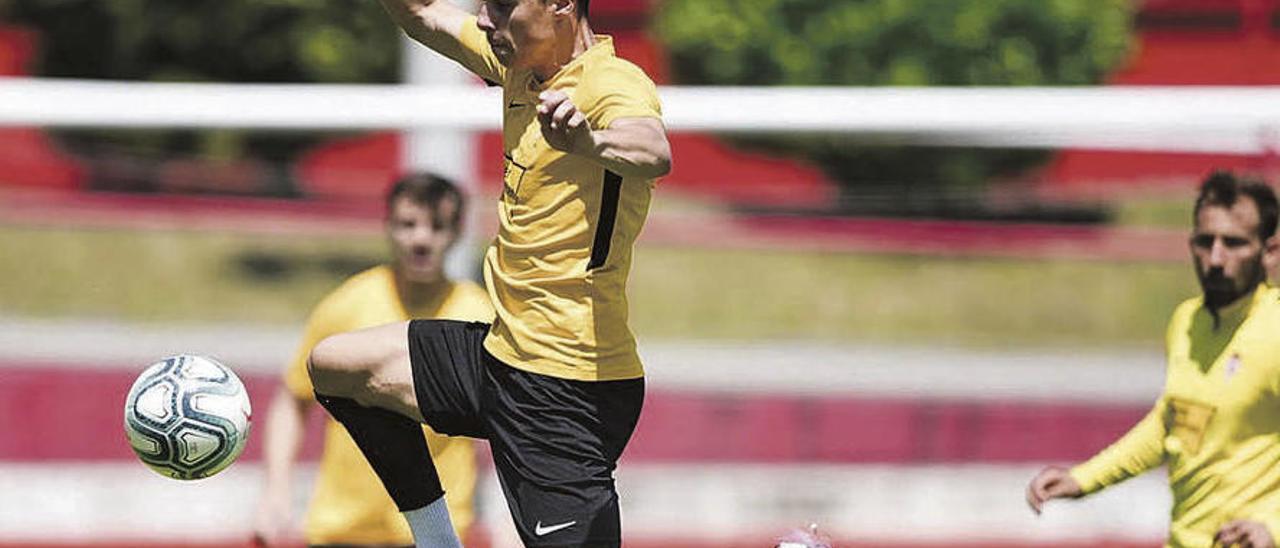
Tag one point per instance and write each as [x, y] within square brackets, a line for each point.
[370, 366]
[365, 380]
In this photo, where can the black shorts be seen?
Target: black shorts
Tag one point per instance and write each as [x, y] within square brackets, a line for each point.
[555, 442]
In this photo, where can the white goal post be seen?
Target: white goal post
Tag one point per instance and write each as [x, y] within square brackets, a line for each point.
[1231, 120]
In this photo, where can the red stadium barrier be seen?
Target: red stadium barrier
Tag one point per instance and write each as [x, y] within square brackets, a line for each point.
[676, 426]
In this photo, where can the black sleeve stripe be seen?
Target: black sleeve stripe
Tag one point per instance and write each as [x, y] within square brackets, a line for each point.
[608, 217]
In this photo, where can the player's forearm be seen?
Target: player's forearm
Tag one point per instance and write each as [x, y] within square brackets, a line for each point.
[1139, 450]
[637, 149]
[286, 421]
[409, 16]
[427, 21]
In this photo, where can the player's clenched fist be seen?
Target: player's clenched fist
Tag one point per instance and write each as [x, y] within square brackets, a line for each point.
[1244, 534]
[563, 126]
[1051, 483]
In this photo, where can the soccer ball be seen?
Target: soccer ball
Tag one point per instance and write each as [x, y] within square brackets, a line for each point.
[187, 417]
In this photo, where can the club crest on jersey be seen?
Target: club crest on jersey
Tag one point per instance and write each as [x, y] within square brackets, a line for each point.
[1233, 366]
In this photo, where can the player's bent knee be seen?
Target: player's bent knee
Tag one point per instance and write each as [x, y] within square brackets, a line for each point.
[332, 369]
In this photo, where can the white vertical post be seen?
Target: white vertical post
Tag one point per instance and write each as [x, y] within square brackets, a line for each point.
[450, 152]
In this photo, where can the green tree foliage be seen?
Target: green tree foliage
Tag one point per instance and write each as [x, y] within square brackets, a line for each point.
[895, 43]
[266, 41]
[212, 40]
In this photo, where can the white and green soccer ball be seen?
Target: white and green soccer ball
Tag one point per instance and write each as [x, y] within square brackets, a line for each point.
[187, 417]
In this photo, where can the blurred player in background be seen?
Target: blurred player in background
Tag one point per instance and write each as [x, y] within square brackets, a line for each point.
[555, 383]
[349, 506]
[1217, 424]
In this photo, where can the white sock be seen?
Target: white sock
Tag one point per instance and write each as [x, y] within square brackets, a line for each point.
[432, 527]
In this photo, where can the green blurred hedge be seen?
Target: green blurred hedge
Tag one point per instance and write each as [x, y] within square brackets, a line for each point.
[895, 43]
[347, 41]
[212, 40]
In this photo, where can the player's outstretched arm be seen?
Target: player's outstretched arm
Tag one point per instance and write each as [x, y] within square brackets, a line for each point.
[630, 147]
[286, 420]
[1054, 482]
[427, 21]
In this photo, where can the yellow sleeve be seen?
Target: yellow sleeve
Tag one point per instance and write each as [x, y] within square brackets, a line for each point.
[1139, 450]
[325, 320]
[471, 50]
[1270, 516]
[618, 89]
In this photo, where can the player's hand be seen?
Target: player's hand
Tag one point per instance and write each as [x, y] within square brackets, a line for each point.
[1244, 534]
[563, 126]
[272, 519]
[1051, 483]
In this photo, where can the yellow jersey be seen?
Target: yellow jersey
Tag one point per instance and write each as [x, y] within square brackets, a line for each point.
[1217, 424]
[350, 505]
[557, 270]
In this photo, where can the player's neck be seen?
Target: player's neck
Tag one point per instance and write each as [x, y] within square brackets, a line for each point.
[414, 294]
[567, 51]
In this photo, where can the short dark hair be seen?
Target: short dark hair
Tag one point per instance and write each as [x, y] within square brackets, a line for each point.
[430, 191]
[1222, 188]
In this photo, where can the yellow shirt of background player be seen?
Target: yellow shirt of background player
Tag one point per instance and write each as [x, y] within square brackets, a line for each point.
[350, 505]
[1217, 425]
[558, 270]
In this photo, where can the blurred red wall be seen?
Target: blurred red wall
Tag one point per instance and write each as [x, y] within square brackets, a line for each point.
[1186, 42]
[1181, 42]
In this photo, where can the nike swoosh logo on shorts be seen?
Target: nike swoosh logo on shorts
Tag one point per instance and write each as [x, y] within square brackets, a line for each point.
[539, 530]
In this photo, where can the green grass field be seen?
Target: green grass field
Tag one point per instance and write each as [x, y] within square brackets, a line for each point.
[1156, 211]
[676, 293]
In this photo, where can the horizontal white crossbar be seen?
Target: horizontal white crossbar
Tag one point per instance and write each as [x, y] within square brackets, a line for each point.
[1236, 120]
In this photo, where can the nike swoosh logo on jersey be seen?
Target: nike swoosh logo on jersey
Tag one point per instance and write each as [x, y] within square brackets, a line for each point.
[514, 104]
[539, 530]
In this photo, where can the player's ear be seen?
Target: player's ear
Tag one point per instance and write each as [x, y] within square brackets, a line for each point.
[1271, 258]
[564, 8]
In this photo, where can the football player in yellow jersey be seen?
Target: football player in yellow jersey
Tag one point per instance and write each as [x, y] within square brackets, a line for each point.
[554, 383]
[349, 507]
[1217, 424]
